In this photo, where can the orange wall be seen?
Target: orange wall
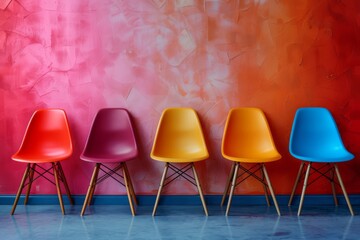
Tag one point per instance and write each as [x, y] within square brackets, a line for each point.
[147, 55]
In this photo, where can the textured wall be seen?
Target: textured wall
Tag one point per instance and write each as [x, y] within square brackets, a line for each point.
[146, 55]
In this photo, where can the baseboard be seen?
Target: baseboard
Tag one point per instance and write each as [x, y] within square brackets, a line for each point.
[179, 199]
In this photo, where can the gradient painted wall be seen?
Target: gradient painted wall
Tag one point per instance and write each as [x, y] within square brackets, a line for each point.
[146, 55]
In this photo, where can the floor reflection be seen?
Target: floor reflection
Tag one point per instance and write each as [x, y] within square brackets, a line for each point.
[176, 222]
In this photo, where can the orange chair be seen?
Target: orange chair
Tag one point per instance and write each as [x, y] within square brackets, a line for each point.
[111, 142]
[179, 140]
[247, 140]
[47, 140]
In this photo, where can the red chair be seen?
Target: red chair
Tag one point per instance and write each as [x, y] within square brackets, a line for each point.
[47, 140]
[111, 141]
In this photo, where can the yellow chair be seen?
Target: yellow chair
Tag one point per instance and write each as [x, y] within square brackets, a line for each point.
[179, 140]
[247, 140]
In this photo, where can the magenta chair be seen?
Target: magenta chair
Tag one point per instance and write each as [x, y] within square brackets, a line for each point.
[110, 144]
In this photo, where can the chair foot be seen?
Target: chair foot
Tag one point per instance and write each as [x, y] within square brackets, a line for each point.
[233, 184]
[56, 176]
[26, 173]
[160, 188]
[90, 188]
[228, 182]
[200, 191]
[271, 189]
[296, 183]
[304, 188]
[128, 191]
[344, 190]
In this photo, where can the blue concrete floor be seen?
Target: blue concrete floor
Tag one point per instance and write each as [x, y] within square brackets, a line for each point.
[177, 222]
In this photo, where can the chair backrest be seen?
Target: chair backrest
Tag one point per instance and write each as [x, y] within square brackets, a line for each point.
[179, 137]
[315, 136]
[111, 136]
[247, 135]
[47, 136]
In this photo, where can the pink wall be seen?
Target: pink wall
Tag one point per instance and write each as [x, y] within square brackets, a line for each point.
[147, 55]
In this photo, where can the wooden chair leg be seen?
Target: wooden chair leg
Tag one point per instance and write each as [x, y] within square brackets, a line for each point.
[20, 188]
[91, 185]
[128, 191]
[343, 189]
[271, 189]
[199, 189]
[31, 177]
[92, 190]
[233, 183]
[160, 188]
[264, 185]
[333, 185]
[304, 188]
[228, 182]
[130, 184]
[296, 183]
[56, 176]
[61, 172]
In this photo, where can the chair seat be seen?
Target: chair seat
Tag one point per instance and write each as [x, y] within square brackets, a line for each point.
[111, 139]
[109, 158]
[321, 156]
[41, 157]
[179, 159]
[255, 157]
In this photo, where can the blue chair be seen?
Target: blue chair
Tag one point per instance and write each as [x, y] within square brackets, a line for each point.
[315, 140]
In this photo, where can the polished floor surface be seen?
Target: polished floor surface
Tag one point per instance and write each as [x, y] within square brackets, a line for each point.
[177, 222]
